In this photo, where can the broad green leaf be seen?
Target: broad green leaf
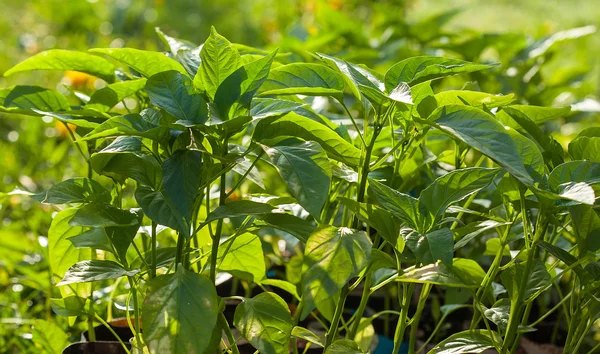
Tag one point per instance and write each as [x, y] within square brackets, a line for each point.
[332, 256]
[539, 114]
[94, 270]
[235, 93]
[430, 247]
[124, 158]
[517, 154]
[173, 306]
[174, 44]
[271, 130]
[402, 206]
[343, 346]
[454, 187]
[574, 171]
[107, 97]
[499, 313]
[401, 93]
[84, 122]
[48, 337]
[420, 69]
[144, 62]
[129, 125]
[472, 98]
[283, 285]
[62, 253]
[378, 218]
[242, 256]
[295, 226]
[219, 58]
[29, 99]
[181, 180]
[465, 273]
[94, 238]
[564, 256]
[239, 208]
[58, 59]
[173, 92]
[537, 280]
[75, 190]
[542, 46]
[70, 306]
[586, 222]
[265, 321]
[306, 170]
[267, 107]
[473, 341]
[303, 79]
[586, 146]
[307, 335]
[103, 215]
[161, 209]
[469, 232]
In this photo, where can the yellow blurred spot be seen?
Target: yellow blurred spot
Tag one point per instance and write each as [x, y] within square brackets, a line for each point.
[79, 80]
[62, 131]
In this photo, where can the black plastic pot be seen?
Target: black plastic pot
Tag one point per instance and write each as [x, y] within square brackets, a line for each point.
[103, 334]
[96, 348]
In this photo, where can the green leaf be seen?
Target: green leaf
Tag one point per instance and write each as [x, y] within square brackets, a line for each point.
[306, 170]
[58, 59]
[235, 93]
[454, 187]
[303, 79]
[402, 206]
[378, 218]
[430, 247]
[343, 346]
[70, 306]
[239, 208]
[84, 122]
[103, 215]
[107, 97]
[75, 190]
[586, 222]
[243, 256]
[144, 62]
[537, 280]
[283, 285]
[271, 130]
[265, 321]
[540, 115]
[463, 272]
[94, 270]
[542, 46]
[307, 335]
[48, 337]
[123, 159]
[174, 44]
[499, 313]
[181, 180]
[62, 253]
[161, 209]
[586, 146]
[469, 232]
[332, 256]
[219, 58]
[564, 256]
[473, 341]
[94, 238]
[295, 226]
[574, 171]
[425, 68]
[517, 154]
[129, 125]
[173, 92]
[267, 107]
[472, 98]
[30, 99]
[174, 303]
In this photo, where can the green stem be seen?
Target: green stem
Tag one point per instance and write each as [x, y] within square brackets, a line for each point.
[217, 236]
[136, 312]
[404, 294]
[112, 331]
[414, 326]
[153, 252]
[339, 309]
[361, 307]
[225, 326]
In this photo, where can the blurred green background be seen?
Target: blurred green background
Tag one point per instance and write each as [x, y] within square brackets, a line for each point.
[35, 153]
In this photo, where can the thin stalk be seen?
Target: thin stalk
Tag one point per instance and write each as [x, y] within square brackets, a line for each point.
[112, 331]
[217, 236]
[548, 313]
[404, 294]
[225, 326]
[417, 317]
[153, 252]
[361, 307]
[333, 329]
[136, 312]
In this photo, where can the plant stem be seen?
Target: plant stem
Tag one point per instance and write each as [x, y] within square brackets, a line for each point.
[136, 312]
[225, 326]
[112, 331]
[217, 236]
[153, 252]
[414, 326]
[404, 295]
[361, 307]
[332, 333]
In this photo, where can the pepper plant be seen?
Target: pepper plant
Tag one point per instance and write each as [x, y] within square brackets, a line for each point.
[224, 159]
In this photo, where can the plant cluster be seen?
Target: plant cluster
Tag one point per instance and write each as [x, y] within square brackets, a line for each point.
[315, 187]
